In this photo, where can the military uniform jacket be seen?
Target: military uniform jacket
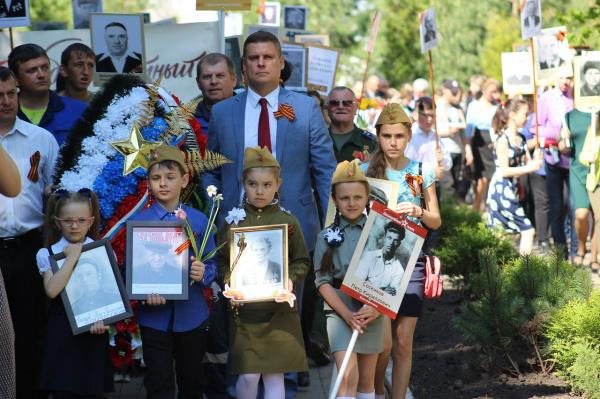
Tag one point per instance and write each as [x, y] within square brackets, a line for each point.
[360, 145]
[266, 336]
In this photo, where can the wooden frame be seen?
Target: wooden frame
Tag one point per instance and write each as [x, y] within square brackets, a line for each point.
[95, 290]
[316, 61]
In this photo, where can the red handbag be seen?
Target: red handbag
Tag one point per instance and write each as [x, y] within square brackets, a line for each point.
[434, 282]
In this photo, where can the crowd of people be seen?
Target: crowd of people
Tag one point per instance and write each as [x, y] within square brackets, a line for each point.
[475, 146]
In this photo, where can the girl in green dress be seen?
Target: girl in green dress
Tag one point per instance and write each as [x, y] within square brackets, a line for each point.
[266, 338]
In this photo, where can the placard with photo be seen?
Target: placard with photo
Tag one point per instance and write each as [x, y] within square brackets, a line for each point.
[517, 73]
[82, 10]
[531, 19]
[156, 261]
[271, 14]
[250, 29]
[295, 17]
[383, 261]
[323, 40]
[95, 289]
[118, 41]
[587, 80]
[552, 54]
[14, 13]
[295, 55]
[321, 67]
[428, 30]
[258, 262]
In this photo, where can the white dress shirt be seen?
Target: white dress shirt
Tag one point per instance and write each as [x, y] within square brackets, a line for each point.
[421, 148]
[25, 212]
[253, 114]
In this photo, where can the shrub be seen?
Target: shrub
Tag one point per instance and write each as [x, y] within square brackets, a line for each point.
[585, 371]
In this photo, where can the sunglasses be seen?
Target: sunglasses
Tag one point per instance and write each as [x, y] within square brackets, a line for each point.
[339, 103]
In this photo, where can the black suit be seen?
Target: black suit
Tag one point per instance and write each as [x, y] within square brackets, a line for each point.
[105, 64]
[547, 65]
[15, 9]
[536, 20]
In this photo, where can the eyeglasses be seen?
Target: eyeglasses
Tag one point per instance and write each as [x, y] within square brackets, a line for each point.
[70, 222]
[339, 103]
[426, 115]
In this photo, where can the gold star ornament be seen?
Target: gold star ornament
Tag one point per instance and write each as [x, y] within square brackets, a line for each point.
[135, 149]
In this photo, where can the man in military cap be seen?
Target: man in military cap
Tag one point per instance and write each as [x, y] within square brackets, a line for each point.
[94, 297]
[159, 267]
[349, 141]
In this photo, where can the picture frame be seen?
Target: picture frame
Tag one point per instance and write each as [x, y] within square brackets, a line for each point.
[82, 10]
[259, 262]
[152, 264]
[552, 55]
[321, 67]
[233, 51]
[275, 30]
[295, 18]
[587, 72]
[15, 14]
[384, 259]
[428, 33]
[323, 40]
[531, 19]
[271, 14]
[384, 191]
[295, 54]
[119, 45]
[95, 290]
[517, 73]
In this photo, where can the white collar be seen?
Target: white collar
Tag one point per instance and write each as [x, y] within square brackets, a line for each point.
[272, 98]
[18, 127]
[62, 243]
[124, 56]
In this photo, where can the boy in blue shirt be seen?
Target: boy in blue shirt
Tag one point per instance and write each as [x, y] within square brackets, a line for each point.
[174, 332]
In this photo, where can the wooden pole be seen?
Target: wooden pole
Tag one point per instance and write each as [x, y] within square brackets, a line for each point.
[535, 110]
[364, 82]
[12, 42]
[432, 86]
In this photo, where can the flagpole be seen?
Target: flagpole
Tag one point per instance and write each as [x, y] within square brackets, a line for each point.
[432, 86]
[535, 108]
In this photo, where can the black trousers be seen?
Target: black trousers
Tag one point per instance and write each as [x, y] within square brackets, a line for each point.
[27, 302]
[541, 206]
[186, 350]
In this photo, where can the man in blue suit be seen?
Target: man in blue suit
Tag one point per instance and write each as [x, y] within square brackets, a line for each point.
[298, 137]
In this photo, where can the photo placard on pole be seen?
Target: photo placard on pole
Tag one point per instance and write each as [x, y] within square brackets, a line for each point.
[322, 63]
[587, 80]
[517, 73]
[82, 10]
[14, 13]
[295, 55]
[428, 30]
[271, 14]
[531, 18]
[552, 54]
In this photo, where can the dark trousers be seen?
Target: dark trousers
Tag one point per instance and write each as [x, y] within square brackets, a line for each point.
[557, 182]
[27, 303]
[186, 350]
[539, 192]
[217, 347]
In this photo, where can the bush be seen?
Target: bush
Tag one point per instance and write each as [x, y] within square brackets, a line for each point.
[585, 371]
[572, 332]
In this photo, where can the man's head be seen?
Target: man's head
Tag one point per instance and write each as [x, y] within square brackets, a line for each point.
[9, 102]
[451, 91]
[115, 35]
[155, 254]
[428, 22]
[261, 248]
[77, 63]
[31, 66]
[81, 9]
[424, 114]
[393, 236]
[90, 278]
[420, 87]
[341, 105]
[262, 61]
[216, 77]
[591, 74]
[530, 9]
[564, 84]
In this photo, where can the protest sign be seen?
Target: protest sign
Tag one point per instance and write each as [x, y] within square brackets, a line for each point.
[14, 13]
[428, 30]
[587, 80]
[517, 73]
[384, 259]
[531, 18]
[552, 54]
[321, 67]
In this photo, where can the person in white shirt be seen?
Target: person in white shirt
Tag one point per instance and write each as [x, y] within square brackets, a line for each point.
[34, 151]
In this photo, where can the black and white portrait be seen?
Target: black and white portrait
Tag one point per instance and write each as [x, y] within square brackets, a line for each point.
[587, 80]
[95, 289]
[82, 10]
[156, 262]
[14, 13]
[295, 55]
[428, 30]
[118, 41]
[531, 19]
[517, 73]
[295, 17]
[258, 259]
[552, 54]
[270, 15]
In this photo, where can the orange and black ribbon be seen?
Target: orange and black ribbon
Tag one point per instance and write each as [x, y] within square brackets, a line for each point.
[414, 183]
[285, 110]
[34, 161]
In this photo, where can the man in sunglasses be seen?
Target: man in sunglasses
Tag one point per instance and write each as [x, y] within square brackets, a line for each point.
[349, 141]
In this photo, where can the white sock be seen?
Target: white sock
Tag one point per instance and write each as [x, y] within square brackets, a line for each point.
[363, 395]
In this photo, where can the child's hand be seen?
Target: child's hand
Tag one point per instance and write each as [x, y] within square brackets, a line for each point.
[197, 270]
[72, 251]
[290, 285]
[98, 328]
[409, 209]
[366, 314]
[155, 300]
[353, 322]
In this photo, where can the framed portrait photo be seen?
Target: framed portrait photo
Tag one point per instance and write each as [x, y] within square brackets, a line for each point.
[157, 261]
[428, 30]
[270, 15]
[259, 262]
[95, 289]
[295, 55]
[517, 73]
[384, 259]
[531, 19]
[118, 42]
[552, 54]
[381, 190]
[82, 10]
[295, 18]
[587, 80]
[14, 13]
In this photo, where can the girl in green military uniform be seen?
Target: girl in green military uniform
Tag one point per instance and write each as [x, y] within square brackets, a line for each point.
[266, 338]
[333, 251]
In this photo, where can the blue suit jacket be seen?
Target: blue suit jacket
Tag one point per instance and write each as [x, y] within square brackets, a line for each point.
[304, 151]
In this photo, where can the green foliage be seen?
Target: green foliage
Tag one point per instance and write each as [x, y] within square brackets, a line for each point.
[585, 371]
[578, 321]
[502, 32]
[583, 24]
[463, 236]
